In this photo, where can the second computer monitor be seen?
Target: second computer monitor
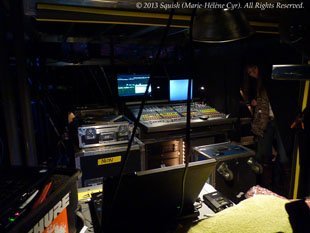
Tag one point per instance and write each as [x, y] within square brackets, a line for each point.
[179, 88]
[132, 85]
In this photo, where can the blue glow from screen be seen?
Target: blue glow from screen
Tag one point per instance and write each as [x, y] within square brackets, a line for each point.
[178, 89]
[133, 85]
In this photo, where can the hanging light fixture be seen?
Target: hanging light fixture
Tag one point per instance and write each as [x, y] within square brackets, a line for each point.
[291, 72]
[220, 25]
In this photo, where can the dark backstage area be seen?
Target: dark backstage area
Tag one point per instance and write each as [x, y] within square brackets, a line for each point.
[171, 116]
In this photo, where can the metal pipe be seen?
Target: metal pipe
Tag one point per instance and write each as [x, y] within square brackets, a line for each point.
[8, 100]
[24, 95]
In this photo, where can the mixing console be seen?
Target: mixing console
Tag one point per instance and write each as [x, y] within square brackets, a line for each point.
[157, 118]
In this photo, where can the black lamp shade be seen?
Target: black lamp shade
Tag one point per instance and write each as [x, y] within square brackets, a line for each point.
[220, 25]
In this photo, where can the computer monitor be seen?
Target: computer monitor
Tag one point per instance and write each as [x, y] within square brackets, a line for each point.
[132, 85]
[179, 89]
[152, 198]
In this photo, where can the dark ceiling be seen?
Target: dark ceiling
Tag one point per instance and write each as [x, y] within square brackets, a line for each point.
[40, 25]
[264, 21]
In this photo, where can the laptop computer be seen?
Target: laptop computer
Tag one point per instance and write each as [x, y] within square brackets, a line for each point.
[150, 201]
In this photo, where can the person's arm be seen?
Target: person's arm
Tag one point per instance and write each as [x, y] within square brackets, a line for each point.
[247, 104]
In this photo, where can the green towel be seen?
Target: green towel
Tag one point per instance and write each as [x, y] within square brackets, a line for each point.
[259, 214]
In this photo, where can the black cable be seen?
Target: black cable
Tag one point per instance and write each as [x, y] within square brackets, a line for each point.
[2, 151]
[161, 45]
[97, 84]
[188, 116]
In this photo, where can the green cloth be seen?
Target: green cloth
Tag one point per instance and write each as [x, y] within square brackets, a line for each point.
[259, 214]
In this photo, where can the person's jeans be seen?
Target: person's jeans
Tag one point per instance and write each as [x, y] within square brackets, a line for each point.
[264, 145]
[272, 170]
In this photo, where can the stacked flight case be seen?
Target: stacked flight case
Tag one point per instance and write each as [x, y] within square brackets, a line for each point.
[105, 161]
[103, 140]
[236, 169]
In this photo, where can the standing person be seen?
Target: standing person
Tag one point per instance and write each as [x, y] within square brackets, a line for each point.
[270, 150]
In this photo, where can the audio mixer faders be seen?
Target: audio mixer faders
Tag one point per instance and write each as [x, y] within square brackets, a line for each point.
[157, 118]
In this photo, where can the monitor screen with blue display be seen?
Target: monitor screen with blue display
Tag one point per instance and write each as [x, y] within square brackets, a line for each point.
[132, 85]
[179, 88]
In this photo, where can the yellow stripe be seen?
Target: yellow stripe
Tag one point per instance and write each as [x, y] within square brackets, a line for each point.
[108, 22]
[263, 24]
[306, 92]
[297, 171]
[267, 32]
[124, 23]
[41, 6]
